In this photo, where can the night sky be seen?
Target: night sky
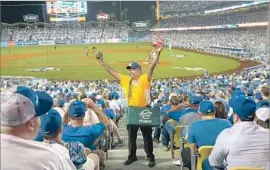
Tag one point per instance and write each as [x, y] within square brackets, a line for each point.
[137, 10]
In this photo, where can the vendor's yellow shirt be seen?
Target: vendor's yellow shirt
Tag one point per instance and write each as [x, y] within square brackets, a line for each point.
[140, 90]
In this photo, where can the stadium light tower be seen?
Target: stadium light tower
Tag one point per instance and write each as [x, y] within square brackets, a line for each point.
[268, 36]
[158, 15]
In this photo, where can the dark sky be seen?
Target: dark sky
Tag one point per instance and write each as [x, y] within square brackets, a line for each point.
[137, 10]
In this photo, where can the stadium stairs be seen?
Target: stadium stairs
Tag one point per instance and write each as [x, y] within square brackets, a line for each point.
[118, 155]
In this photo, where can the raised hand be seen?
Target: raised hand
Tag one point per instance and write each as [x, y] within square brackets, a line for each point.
[88, 103]
[98, 54]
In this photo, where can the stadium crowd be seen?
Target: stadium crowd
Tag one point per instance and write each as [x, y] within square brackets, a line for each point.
[85, 109]
[224, 19]
[195, 5]
[252, 40]
[100, 32]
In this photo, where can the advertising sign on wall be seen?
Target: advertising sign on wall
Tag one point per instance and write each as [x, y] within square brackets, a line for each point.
[46, 42]
[60, 41]
[30, 42]
[19, 43]
[11, 43]
[103, 17]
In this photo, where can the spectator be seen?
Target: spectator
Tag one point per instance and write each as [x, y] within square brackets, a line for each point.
[204, 132]
[51, 128]
[265, 97]
[171, 122]
[220, 110]
[20, 124]
[235, 146]
[76, 131]
[137, 90]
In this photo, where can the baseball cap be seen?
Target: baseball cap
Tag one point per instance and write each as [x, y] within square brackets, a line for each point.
[20, 104]
[195, 99]
[134, 65]
[77, 109]
[244, 107]
[41, 100]
[115, 95]
[237, 93]
[206, 107]
[51, 122]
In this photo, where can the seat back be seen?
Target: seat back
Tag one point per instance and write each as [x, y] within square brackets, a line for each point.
[178, 135]
[246, 168]
[203, 153]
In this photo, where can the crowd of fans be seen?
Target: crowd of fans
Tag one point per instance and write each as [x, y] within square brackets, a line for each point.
[252, 40]
[195, 5]
[86, 108]
[209, 20]
[66, 33]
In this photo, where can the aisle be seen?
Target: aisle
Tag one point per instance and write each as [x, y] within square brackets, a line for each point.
[118, 155]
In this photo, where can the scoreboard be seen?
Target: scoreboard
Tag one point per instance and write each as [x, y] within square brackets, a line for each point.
[66, 7]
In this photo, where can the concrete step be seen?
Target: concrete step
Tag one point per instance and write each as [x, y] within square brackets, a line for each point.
[117, 158]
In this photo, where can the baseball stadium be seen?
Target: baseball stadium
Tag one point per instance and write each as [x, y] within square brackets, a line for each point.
[203, 61]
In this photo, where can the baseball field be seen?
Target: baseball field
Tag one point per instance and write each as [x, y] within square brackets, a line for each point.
[71, 62]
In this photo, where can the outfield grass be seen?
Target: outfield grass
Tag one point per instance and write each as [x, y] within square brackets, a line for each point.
[75, 65]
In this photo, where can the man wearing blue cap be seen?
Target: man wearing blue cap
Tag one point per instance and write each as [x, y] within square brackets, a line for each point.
[51, 128]
[204, 132]
[76, 131]
[137, 91]
[21, 108]
[245, 143]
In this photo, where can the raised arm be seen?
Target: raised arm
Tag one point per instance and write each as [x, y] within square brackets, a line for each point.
[155, 56]
[66, 117]
[110, 70]
[99, 57]
[101, 115]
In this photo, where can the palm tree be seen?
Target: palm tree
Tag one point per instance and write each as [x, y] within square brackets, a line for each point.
[125, 13]
[153, 9]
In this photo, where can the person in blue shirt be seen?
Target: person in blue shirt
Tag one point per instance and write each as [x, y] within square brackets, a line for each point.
[76, 131]
[204, 132]
[171, 119]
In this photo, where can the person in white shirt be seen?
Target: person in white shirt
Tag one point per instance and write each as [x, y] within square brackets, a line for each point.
[20, 124]
[244, 144]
